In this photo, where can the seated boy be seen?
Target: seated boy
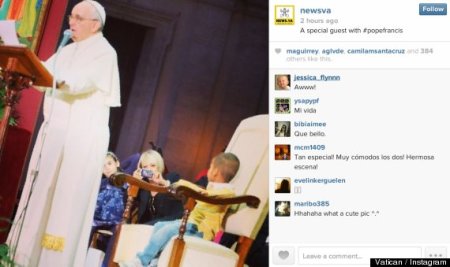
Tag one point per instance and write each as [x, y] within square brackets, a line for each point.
[205, 219]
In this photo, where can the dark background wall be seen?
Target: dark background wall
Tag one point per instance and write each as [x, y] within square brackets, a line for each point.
[190, 72]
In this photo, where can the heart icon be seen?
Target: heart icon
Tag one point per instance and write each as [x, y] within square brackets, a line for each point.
[277, 50]
[283, 254]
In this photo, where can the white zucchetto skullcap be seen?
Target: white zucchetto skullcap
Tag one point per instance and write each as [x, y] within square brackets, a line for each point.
[100, 10]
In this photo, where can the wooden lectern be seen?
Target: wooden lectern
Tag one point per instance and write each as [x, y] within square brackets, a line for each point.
[19, 69]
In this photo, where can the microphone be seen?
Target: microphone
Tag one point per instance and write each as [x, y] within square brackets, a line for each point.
[66, 36]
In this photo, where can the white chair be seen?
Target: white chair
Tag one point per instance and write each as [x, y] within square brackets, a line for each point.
[250, 144]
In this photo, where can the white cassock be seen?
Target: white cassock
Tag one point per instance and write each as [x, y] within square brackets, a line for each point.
[72, 144]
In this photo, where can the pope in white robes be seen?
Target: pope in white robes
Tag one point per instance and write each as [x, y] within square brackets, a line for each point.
[55, 213]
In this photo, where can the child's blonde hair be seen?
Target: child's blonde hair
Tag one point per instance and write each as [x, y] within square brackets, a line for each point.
[153, 157]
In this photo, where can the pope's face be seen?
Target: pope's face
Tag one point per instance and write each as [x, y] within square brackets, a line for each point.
[83, 22]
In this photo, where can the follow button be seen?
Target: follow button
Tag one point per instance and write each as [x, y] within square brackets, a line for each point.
[432, 9]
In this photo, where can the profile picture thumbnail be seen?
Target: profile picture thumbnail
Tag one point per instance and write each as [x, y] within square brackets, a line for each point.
[282, 105]
[282, 185]
[282, 82]
[283, 208]
[282, 152]
[282, 129]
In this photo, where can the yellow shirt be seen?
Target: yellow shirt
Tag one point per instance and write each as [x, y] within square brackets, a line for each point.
[208, 217]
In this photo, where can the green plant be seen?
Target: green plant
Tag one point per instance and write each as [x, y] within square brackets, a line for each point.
[5, 260]
[14, 116]
[5, 251]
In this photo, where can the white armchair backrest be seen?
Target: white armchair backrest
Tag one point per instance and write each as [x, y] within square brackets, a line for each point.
[250, 143]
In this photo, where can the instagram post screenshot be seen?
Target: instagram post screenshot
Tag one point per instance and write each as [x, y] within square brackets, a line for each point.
[224, 133]
[135, 133]
[358, 148]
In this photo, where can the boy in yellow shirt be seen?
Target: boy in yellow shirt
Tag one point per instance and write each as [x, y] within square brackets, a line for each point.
[205, 219]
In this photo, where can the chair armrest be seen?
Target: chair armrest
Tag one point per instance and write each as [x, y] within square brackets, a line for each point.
[181, 191]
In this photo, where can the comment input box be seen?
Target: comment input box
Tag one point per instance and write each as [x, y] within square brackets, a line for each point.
[353, 255]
